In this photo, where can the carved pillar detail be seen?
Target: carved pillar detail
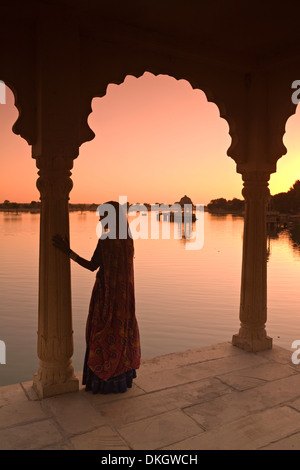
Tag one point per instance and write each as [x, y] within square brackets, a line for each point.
[55, 336]
[253, 307]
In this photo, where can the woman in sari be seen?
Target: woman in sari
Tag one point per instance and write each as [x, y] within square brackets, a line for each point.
[112, 335]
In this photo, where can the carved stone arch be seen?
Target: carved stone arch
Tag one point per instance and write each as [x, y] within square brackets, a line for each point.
[210, 91]
[18, 70]
[281, 108]
[278, 149]
[24, 97]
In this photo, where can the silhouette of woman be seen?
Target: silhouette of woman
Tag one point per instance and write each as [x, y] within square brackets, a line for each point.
[112, 334]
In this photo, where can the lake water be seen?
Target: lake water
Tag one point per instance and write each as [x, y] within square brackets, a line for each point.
[184, 299]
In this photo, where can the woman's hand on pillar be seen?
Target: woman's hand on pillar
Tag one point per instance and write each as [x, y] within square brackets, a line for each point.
[61, 243]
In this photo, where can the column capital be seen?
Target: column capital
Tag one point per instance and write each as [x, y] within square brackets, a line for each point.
[54, 180]
[256, 186]
[256, 176]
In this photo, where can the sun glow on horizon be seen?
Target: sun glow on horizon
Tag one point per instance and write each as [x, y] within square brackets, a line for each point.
[157, 139]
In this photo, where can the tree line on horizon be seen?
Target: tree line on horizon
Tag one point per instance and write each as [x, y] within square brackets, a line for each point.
[285, 202]
[35, 206]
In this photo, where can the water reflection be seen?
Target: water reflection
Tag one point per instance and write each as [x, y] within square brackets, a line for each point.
[221, 215]
[12, 217]
[184, 299]
[291, 233]
[183, 230]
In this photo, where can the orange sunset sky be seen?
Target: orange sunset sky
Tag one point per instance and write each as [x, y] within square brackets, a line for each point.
[156, 140]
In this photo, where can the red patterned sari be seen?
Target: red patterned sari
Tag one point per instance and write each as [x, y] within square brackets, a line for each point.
[112, 335]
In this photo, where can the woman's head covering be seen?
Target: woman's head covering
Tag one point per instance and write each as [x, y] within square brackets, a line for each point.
[120, 229]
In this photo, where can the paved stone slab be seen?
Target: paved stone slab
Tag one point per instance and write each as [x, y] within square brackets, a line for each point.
[74, 413]
[249, 433]
[190, 356]
[295, 403]
[235, 405]
[289, 443]
[169, 378]
[128, 411]
[158, 431]
[20, 412]
[58, 447]
[193, 391]
[251, 377]
[11, 394]
[277, 354]
[147, 405]
[103, 438]
[29, 391]
[30, 436]
[99, 399]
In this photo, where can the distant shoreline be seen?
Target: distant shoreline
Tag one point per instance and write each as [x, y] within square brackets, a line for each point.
[37, 211]
[93, 207]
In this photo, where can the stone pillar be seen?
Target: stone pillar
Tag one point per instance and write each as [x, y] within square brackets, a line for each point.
[57, 87]
[55, 336]
[253, 307]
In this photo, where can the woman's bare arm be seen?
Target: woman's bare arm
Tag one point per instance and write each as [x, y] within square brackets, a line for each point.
[83, 262]
[64, 246]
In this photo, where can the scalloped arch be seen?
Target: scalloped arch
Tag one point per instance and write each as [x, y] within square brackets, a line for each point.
[20, 126]
[211, 96]
[279, 147]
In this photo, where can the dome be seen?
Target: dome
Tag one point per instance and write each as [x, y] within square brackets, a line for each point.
[185, 200]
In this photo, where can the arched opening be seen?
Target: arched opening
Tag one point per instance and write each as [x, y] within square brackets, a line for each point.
[159, 111]
[158, 139]
[19, 241]
[284, 242]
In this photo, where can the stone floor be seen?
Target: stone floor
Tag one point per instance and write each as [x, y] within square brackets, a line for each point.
[216, 397]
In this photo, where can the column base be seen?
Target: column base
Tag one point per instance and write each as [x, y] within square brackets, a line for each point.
[49, 390]
[253, 340]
